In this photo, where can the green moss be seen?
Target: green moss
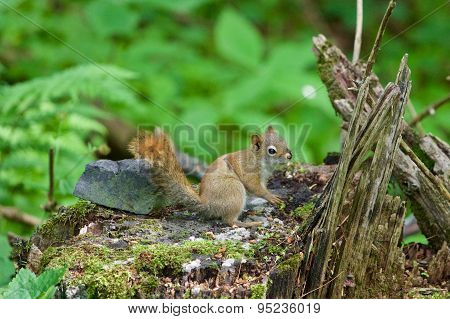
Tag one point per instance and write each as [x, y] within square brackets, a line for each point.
[65, 224]
[258, 291]
[282, 206]
[113, 283]
[122, 273]
[149, 284]
[230, 248]
[160, 259]
[269, 246]
[434, 295]
[164, 259]
[303, 211]
[291, 263]
[20, 252]
[93, 267]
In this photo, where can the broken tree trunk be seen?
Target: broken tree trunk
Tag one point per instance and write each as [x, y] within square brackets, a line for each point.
[421, 166]
[352, 241]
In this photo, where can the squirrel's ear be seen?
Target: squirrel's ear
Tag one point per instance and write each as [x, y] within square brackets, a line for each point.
[270, 129]
[256, 142]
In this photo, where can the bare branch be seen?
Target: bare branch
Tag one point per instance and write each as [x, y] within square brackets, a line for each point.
[381, 29]
[51, 204]
[430, 110]
[16, 215]
[358, 31]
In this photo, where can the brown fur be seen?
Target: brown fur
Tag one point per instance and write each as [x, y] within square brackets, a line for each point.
[224, 186]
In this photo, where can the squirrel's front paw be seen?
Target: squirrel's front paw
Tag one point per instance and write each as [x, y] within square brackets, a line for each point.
[274, 199]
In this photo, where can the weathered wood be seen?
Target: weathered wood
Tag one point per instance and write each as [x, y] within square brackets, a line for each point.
[431, 203]
[283, 279]
[381, 275]
[342, 234]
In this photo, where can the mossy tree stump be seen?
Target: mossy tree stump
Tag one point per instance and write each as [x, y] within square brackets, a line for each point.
[346, 254]
[421, 166]
[113, 254]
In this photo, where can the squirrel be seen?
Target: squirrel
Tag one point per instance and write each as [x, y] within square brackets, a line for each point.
[224, 187]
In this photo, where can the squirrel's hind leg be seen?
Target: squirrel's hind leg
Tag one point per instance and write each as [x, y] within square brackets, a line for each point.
[225, 197]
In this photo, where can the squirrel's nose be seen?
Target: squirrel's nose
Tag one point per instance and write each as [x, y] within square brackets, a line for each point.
[289, 155]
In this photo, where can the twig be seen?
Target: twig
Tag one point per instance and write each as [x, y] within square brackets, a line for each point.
[430, 110]
[15, 214]
[51, 203]
[321, 286]
[51, 156]
[358, 31]
[376, 46]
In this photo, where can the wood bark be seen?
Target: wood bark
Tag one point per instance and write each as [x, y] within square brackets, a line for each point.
[354, 213]
[426, 185]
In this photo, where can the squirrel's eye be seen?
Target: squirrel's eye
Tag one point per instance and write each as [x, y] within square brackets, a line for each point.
[271, 150]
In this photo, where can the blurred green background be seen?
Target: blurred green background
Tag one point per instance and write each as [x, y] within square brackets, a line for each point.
[77, 75]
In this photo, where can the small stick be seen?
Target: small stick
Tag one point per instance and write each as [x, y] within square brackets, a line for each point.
[321, 286]
[15, 214]
[51, 203]
[51, 156]
[430, 110]
[358, 31]
[376, 46]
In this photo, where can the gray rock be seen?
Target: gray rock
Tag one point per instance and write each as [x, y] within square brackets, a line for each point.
[124, 185]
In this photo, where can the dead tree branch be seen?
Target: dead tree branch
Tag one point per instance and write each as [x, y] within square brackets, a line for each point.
[16, 215]
[430, 110]
[381, 29]
[358, 31]
[51, 204]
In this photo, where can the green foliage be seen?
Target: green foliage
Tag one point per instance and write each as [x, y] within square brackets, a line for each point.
[415, 238]
[27, 286]
[238, 40]
[6, 265]
[54, 112]
[303, 211]
[258, 291]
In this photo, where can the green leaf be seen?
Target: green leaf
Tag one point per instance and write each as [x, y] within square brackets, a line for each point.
[23, 286]
[6, 265]
[5, 248]
[237, 40]
[415, 238]
[47, 281]
[111, 18]
[180, 6]
[26, 285]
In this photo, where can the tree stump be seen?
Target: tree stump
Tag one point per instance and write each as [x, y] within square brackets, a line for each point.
[343, 255]
[421, 166]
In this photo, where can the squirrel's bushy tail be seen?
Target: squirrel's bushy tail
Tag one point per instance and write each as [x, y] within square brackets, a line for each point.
[157, 148]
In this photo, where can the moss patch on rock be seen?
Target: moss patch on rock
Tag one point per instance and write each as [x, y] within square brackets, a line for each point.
[64, 224]
[258, 291]
[135, 271]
